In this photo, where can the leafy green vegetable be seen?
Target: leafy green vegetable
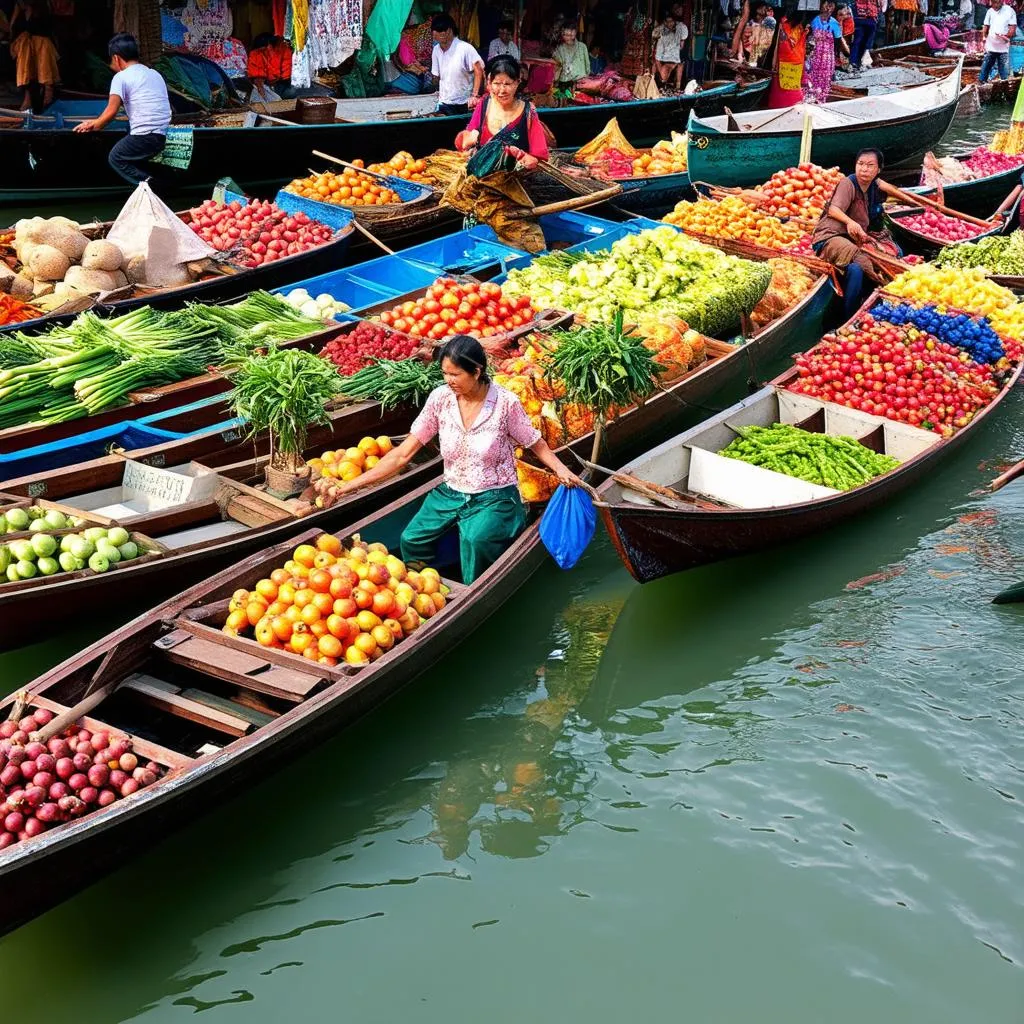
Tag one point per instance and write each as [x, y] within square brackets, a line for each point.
[393, 382]
[1000, 254]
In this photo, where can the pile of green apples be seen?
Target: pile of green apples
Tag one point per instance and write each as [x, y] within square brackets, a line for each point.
[98, 548]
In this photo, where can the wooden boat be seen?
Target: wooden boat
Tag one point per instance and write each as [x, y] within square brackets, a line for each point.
[220, 280]
[914, 241]
[194, 541]
[753, 508]
[904, 125]
[273, 150]
[220, 681]
[1011, 595]
[979, 197]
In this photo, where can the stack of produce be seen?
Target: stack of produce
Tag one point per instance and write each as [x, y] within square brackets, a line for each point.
[93, 363]
[1010, 141]
[998, 254]
[461, 307]
[348, 463]
[975, 337]
[790, 283]
[46, 553]
[57, 258]
[837, 462]
[985, 161]
[968, 290]
[393, 382]
[612, 163]
[732, 218]
[365, 344]
[333, 604]
[324, 307]
[941, 227]
[401, 165]
[800, 191]
[14, 311]
[347, 188]
[260, 232]
[667, 157]
[658, 271]
[899, 372]
[45, 784]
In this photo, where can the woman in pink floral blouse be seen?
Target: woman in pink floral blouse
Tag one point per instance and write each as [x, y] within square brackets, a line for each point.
[478, 425]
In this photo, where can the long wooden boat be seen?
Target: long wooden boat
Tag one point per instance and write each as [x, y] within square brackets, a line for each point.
[204, 733]
[904, 125]
[979, 197]
[190, 532]
[224, 281]
[273, 150]
[754, 508]
[913, 241]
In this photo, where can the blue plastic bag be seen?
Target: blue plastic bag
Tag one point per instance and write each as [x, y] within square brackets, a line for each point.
[567, 526]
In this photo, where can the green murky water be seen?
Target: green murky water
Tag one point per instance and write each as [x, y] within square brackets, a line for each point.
[788, 787]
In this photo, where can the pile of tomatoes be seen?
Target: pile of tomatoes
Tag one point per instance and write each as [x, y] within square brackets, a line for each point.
[800, 191]
[261, 231]
[899, 372]
[732, 218]
[453, 307]
[368, 341]
[348, 188]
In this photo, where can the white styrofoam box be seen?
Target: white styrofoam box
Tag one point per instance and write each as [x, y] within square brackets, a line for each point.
[164, 488]
[744, 486]
[196, 534]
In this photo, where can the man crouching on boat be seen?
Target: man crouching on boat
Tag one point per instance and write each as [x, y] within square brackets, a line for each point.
[144, 95]
[852, 221]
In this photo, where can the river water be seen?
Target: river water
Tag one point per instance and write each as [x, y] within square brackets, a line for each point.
[788, 787]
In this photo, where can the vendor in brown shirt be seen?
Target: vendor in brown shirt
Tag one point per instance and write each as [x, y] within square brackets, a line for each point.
[853, 221]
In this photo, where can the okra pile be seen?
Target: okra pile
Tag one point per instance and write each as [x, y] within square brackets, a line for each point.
[837, 462]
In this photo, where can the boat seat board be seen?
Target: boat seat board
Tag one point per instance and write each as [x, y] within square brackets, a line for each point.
[167, 697]
[250, 671]
[143, 747]
[252, 715]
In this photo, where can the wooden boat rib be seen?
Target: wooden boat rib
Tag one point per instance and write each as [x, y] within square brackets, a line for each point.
[767, 508]
[904, 125]
[181, 665]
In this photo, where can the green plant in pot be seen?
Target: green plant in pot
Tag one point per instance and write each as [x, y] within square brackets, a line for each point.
[284, 393]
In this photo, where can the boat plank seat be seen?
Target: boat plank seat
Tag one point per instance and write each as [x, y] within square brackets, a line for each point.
[254, 716]
[254, 671]
[177, 517]
[143, 747]
[170, 698]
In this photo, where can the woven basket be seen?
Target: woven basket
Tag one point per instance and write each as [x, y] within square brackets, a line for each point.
[284, 484]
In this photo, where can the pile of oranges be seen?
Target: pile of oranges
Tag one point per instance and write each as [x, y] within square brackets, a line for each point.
[334, 605]
[348, 188]
[732, 218]
[348, 463]
[401, 165]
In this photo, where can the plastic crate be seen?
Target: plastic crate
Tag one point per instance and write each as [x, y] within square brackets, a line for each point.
[342, 286]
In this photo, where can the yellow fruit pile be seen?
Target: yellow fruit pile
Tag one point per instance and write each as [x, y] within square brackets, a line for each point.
[348, 188]
[348, 463]
[667, 157]
[332, 604]
[732, 218]
[968, 290]
[401, 165]
[1009, 141]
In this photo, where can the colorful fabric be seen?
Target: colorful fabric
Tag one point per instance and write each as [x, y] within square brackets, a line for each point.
[35, 60]
[206, 21]
[822, 64]
[488, 522]
[482, 457]
[787, 83]
[272, 62]
[867, 8]
[527, 128]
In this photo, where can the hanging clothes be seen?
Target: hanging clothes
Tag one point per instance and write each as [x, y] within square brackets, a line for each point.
[334, 33]
[636, 57]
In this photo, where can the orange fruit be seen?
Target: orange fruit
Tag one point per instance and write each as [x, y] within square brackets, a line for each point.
[383, 636]
[255, 610]
[300, 642]
[323, 560]
[303, 597]
[337, 626]
[318, 628]
[310, 614]
[340, 587]
[324, 603]
[384, 603]
[369, 446]
[384, 443]
[330, 646]
[366, 620]
[237, 620]
[286, 593]
[355, 656]
[349, 471]
[265, 634]
[329, 543]
[304, 555]
[365, 643]
[239, 599]
[267, 589]
[282, 628]
[345, 607]
[279, 576]
[371, 461]
[320, 581]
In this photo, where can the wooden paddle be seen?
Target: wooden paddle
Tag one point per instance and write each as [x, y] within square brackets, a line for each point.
[663, 496]
[1011, 474]
[913, 199]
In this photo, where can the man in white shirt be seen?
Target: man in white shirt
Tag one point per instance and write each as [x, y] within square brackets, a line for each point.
[668, 60]
[503, 46]
[1000, 27]
[456, 67]
[144, 95]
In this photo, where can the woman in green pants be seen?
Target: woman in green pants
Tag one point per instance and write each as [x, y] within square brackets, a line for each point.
[478, 425]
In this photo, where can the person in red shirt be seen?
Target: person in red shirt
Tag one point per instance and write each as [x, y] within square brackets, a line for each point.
[270, 65]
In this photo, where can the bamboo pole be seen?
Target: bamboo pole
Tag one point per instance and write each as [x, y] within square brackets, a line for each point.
[918, 200]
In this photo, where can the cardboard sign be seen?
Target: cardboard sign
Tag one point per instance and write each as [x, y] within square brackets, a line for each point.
[163, 488]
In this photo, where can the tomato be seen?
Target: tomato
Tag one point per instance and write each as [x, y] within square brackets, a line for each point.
[431, 305]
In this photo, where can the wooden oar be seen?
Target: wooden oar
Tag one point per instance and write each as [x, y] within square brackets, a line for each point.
[1011, 474]
[664, 496]
[918, 200]
[579, 203]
